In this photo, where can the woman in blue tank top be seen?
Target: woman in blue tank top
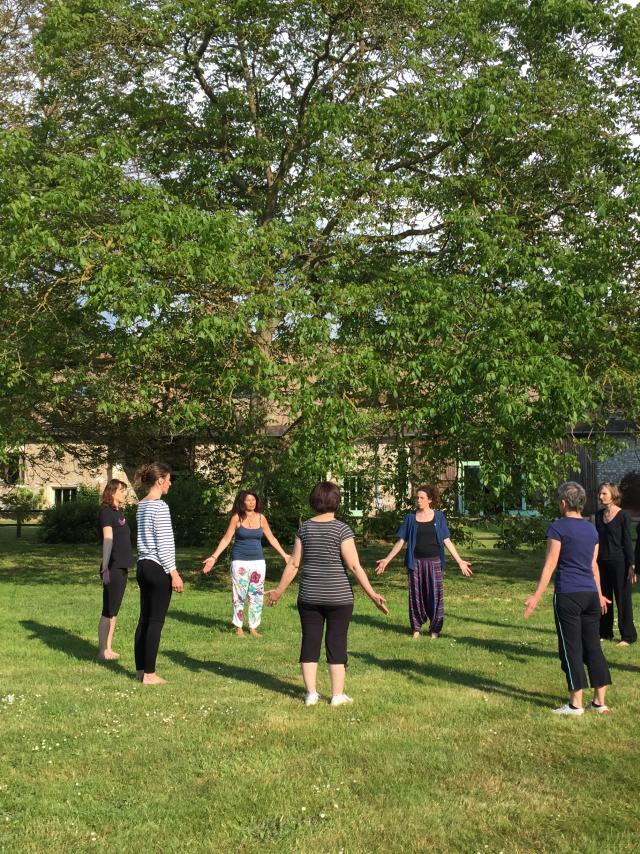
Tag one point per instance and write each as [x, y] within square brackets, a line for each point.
[246, 528]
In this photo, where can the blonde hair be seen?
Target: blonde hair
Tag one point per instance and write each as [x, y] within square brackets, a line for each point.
[613, 488]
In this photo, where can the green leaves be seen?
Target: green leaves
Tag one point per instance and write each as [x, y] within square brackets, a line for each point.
[286, 229]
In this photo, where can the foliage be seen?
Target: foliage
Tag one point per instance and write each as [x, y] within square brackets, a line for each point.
[383, 525]
[22, 503]
[514, 532]
[193, 505]
[73, 521]
[285, 228]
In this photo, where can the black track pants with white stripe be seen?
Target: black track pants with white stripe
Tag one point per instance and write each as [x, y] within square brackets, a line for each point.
[578, 626]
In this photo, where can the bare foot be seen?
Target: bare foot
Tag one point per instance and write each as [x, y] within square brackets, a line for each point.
[254, 633]
[416, 635]
[433, 636]
[623, 643]
[108, 655]
[153, 679]
[239, 632]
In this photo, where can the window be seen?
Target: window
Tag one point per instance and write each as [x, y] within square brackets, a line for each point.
[352, 495]
[63, 494]
[476, 499]
[11, 470]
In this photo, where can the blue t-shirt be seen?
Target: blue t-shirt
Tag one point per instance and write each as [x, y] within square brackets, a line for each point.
[578, 539]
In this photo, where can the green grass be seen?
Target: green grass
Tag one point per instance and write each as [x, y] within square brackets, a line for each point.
[449, 746]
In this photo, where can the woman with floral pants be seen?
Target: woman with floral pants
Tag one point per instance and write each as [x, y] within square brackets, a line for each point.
[247, 579]
[246, 528]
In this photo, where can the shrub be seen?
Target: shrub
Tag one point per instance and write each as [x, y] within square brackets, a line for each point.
[284, 525]
[194, 515]
[384, 525]
[517, 531]
[74, 521]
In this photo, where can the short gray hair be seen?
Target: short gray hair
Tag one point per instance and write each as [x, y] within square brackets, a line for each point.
[573, 495]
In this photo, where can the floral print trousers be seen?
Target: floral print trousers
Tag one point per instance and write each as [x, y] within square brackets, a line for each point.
[247, 579]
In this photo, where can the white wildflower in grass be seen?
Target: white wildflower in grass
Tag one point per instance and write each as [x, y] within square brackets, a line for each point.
[323, 815]
[10, 698]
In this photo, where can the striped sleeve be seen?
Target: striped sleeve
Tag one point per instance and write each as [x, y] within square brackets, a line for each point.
[346, 534]
[163, 533]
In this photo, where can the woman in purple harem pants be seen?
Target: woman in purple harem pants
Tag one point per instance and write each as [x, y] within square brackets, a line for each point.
[426, 534]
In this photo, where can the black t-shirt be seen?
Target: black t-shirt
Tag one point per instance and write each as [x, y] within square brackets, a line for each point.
[121, 553]
[427, 546]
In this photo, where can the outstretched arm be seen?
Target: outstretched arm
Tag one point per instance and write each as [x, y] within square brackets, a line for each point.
[207, 565]
[351, 560]
[465, 568]
[548, 568]
[290, 572]
[273, 541]
[381, 565]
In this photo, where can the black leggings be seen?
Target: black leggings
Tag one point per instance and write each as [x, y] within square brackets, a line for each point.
[155, 595]
[113, 592]
[577, 623]
[312, 620]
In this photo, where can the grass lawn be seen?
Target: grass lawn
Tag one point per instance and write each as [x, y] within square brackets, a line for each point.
[449, 745]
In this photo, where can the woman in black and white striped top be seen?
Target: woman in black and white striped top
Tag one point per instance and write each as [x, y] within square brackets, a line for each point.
[156, 572]
[326, 549]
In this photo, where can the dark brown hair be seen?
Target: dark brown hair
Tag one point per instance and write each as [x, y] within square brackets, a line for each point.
[238, 504]
[149, 473]
[108, 499]
[432, 494]
[325, 497]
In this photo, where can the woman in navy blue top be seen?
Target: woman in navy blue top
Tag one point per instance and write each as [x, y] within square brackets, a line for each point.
[426, 534]
[572, 548]
[246, 528]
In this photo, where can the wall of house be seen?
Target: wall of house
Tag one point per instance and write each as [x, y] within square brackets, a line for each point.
[41, 469]
[615, 467]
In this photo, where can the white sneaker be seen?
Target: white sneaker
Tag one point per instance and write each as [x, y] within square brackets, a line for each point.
[311, 698]
[567, 710]
[340, 700]
[601, 710]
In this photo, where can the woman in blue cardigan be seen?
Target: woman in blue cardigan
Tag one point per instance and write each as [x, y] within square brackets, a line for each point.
[426, 534]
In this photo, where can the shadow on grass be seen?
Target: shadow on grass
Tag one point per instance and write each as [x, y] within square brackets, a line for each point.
[497, 625]
[199, 620]
[512, 651]
[240, 674]
[62, 640]
[381, 624]
[412, 669]
[52, 569]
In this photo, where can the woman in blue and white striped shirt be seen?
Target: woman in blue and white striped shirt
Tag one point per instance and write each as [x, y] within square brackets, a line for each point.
[157, 574]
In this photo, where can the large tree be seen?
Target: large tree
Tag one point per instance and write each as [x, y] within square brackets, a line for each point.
[362, 221]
